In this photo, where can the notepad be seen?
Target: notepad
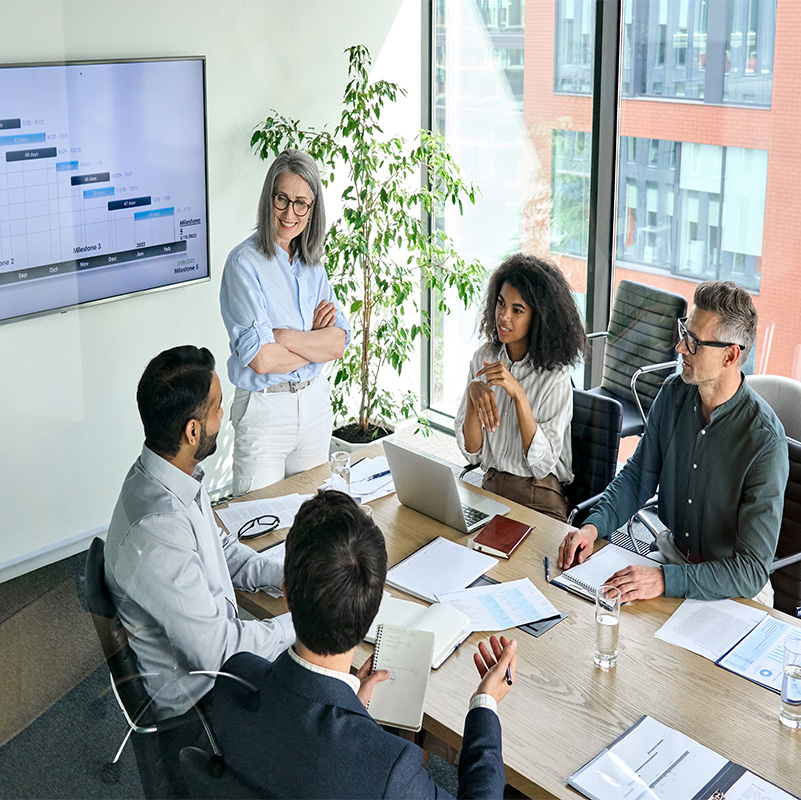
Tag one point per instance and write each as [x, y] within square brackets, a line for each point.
[449, 625]
[584, 579]
[400, 699]
[440, 566]
[501, 536]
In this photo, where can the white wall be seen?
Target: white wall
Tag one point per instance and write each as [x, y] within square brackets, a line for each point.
[67, 403]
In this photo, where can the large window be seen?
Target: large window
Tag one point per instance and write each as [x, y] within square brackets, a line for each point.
[493, 76]
[707, 161]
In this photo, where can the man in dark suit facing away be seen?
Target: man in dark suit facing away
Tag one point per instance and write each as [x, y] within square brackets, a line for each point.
[304, 731]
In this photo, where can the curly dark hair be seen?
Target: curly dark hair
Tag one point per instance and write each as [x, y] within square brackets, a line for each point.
[556, 337]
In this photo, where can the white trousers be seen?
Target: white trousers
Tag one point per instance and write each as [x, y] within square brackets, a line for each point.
[279, 434]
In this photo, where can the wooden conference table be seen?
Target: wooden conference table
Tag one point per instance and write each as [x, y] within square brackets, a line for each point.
[562, 710]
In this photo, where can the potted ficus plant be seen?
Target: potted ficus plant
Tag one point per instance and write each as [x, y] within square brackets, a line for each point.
[381, 254]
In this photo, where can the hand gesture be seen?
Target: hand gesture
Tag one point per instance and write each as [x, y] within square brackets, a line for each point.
[368, 680]
[492, 666]
[576, 547]
[483, 400]
[324, 315]
[497, 374]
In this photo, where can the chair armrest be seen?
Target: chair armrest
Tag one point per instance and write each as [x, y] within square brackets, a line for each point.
[644, 370]
[581, 510]
[781, 563]
[468, 468]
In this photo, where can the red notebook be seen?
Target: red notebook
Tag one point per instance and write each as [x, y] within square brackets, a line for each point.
[501, 536]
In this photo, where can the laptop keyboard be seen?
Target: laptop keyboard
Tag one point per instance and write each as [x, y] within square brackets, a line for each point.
[473, 515]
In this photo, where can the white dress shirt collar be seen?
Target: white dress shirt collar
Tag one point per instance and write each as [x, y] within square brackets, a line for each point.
[345, 677]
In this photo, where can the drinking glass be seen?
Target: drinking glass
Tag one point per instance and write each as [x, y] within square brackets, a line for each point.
[340, 471]
[607, 625]
[790, 714]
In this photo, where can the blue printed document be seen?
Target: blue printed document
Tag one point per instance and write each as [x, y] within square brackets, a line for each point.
[501, 605]
[758, 656]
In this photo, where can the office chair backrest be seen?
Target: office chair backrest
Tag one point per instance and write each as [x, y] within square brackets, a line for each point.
[787, 580]
[208, 778]
[642, 330]
[783, 395]
[595, 437]
[114, 638]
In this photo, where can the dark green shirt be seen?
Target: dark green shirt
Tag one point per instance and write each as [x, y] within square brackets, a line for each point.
[721, 489]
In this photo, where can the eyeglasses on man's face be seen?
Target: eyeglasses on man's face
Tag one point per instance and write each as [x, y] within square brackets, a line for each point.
[258, 526]
[282, 202]
[692, 343]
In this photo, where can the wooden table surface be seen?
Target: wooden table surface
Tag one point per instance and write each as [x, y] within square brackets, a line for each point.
[562, 710]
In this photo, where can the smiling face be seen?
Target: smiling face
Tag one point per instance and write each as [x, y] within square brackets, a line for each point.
[512, 321]
[288, 224]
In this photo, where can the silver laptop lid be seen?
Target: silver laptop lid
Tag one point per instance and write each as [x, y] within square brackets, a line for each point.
[429, 487]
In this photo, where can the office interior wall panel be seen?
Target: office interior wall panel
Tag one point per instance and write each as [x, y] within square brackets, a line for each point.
[71, 428]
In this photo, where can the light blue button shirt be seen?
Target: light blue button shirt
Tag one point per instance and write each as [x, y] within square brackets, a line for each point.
[259, 294]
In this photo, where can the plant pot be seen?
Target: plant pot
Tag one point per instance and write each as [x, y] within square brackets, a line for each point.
[339, 443]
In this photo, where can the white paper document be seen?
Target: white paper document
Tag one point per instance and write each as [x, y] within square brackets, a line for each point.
[369, 479]
[710, 628]
[501, 605]
[752, 787]
[285, 508]
[650, 762]
[440, 566]
[759, 656]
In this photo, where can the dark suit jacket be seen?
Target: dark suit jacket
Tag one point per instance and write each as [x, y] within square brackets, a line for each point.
[308, 736]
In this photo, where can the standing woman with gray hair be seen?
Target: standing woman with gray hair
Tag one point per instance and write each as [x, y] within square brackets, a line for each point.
[283, 323]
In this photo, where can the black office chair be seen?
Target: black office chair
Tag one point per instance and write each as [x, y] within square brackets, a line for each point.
[594, 438]
[786, 569]
[208, 778]
[640, 342]
[128, 686]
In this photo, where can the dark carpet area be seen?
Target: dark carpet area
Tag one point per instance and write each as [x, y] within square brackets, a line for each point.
[63, 753]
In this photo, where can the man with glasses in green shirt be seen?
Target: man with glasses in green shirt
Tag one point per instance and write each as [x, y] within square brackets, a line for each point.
[717, 453]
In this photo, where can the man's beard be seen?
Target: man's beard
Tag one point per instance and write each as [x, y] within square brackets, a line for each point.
[207, 444]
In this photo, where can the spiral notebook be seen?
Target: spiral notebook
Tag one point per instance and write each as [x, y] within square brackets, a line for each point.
[584, 579]
[407, 654]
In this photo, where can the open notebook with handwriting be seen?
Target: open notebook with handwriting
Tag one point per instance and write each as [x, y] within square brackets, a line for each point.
[400, 699]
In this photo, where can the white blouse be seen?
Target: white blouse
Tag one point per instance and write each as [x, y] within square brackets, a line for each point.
[550, 394]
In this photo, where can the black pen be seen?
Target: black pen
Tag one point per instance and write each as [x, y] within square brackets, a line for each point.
[508, 676]
[547, 569]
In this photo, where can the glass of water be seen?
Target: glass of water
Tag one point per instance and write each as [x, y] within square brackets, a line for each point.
[340, 471]
[790, 714]
[607, 625]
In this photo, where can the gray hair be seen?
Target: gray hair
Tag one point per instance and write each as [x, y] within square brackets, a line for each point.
[309, 245]
[734, 306]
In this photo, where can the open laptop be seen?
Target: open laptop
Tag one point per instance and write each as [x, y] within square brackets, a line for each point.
[429, 487]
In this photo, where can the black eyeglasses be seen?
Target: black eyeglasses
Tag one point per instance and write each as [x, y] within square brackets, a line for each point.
[692, 343]
[270, 521]
[300, 207]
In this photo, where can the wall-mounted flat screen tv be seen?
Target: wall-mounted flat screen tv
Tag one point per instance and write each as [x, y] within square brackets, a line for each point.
[103, 181]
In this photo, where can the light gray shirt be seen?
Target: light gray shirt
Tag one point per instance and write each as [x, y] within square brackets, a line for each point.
[550, 395]
[171, 572]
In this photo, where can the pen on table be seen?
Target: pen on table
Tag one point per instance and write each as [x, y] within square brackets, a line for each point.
[547, 569]
[373, 477]
[508, 676]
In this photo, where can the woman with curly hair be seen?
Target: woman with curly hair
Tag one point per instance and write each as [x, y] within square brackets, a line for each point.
[514, 419]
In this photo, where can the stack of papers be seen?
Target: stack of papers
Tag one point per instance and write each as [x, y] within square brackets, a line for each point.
[709, 627]
[285, 508]
[369, 479]
[440, 566]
